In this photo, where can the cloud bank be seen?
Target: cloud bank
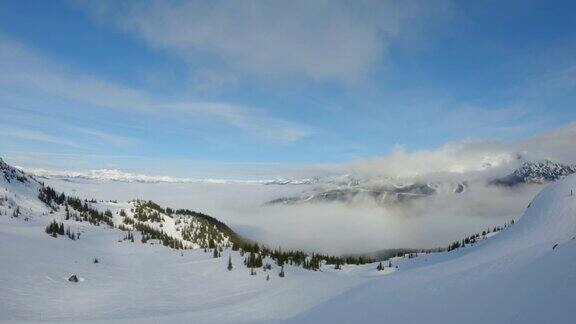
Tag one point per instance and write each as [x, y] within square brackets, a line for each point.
[37, 77]
[468, 158]
[365, 226]
[322, 40]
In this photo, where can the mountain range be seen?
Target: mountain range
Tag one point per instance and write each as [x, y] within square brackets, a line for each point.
[384, 191]
[66, 259]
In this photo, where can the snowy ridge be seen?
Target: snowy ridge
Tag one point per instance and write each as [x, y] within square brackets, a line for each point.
[524, 274]
[383, 191]
[177, 229]
[536, 172]
[18, 189]
[193, 232]
[118, 175]
[381, 194]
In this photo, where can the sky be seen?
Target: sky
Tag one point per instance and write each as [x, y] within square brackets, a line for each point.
[239, 88]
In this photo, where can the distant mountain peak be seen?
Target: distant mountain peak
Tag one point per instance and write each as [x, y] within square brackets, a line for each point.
[382, 193]
[536, 172]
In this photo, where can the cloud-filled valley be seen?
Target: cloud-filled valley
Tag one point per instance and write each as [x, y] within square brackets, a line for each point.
[462, 200]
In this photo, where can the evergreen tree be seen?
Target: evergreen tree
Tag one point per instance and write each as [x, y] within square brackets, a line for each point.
[337, 266]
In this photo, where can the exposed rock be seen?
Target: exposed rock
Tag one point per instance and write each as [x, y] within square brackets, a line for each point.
[536, 172]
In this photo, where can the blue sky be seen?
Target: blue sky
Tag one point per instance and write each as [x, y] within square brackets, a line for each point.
[198, 88]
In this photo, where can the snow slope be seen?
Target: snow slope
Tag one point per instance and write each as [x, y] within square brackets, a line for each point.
[136, 282]
[516, 276]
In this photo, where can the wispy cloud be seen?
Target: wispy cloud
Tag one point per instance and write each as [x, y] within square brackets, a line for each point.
[37, 136]
[25, 119]
[23, 69]
[245, 118]
[320, 40]
[107, 137]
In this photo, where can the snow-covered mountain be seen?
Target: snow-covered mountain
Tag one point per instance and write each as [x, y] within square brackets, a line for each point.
[524, 274]
[178, 229]
[538, 172]
[123, 176]
[385, 191]
[380, 193]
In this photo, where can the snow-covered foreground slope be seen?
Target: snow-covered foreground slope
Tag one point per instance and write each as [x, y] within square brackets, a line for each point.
[527, 274]
[139, 283]
[135, 281]
[515, 276]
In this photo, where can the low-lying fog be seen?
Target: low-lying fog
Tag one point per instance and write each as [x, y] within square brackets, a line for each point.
[328, 227]
[427, 222]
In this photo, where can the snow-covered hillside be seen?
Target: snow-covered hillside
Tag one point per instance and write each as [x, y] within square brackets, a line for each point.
[536, 172]
[138, 281]
[524, 274]
[386, 191]
[380, 194]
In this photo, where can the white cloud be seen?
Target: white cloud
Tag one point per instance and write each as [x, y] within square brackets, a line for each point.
[36, 136]
[245, 118]
[107, 137]
[34, 120]
[556, 144]
[363, 225]
[24, 70]
[466, 157]
[457, 157]
[321, 40]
